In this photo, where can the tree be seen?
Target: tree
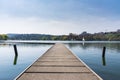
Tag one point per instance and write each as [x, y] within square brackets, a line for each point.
[3, 37]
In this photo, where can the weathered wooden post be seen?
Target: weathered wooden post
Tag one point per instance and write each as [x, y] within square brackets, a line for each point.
[15, 49]
[103, 53]
[103, 56]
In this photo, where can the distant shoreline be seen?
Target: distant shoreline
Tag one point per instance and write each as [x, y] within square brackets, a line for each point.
[84, 36]
[52, 42]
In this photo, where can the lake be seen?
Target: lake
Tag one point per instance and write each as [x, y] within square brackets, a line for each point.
[90, 52]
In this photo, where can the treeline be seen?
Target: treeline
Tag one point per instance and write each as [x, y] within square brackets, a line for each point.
[3, 37]
[36, 37]
[101, 36]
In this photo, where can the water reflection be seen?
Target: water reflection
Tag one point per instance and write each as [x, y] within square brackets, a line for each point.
[103, 61]
[12, 65]
[111, 46]
[15, 60]
[83, 43]
[107, 66]
[16, 54]
[103, 56]
[90, 53]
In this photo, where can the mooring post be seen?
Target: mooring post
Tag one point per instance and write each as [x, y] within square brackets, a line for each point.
[15, 49]
[15, 60]
[103, 53]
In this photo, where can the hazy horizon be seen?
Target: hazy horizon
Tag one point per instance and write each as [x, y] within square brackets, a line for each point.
[59, 17]
[57, 34]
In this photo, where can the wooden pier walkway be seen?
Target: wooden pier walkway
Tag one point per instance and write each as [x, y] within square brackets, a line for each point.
[58, 63]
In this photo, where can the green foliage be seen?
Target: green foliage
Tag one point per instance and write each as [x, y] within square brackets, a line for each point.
[64, 37]
[53, 37]
[44, 38]
[102, 36]
[107, 36]
[3, 37]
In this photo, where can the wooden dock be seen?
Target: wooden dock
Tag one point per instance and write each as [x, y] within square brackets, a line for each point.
[58, 63]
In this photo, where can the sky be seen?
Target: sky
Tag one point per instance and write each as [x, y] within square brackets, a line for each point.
[59, 16]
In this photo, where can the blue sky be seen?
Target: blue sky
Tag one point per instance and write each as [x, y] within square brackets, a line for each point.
[59, 16]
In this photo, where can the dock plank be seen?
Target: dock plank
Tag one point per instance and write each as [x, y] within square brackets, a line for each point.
[57, 69]
[58, 63]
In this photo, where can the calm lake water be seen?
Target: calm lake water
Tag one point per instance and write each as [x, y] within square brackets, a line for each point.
[90, 52]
